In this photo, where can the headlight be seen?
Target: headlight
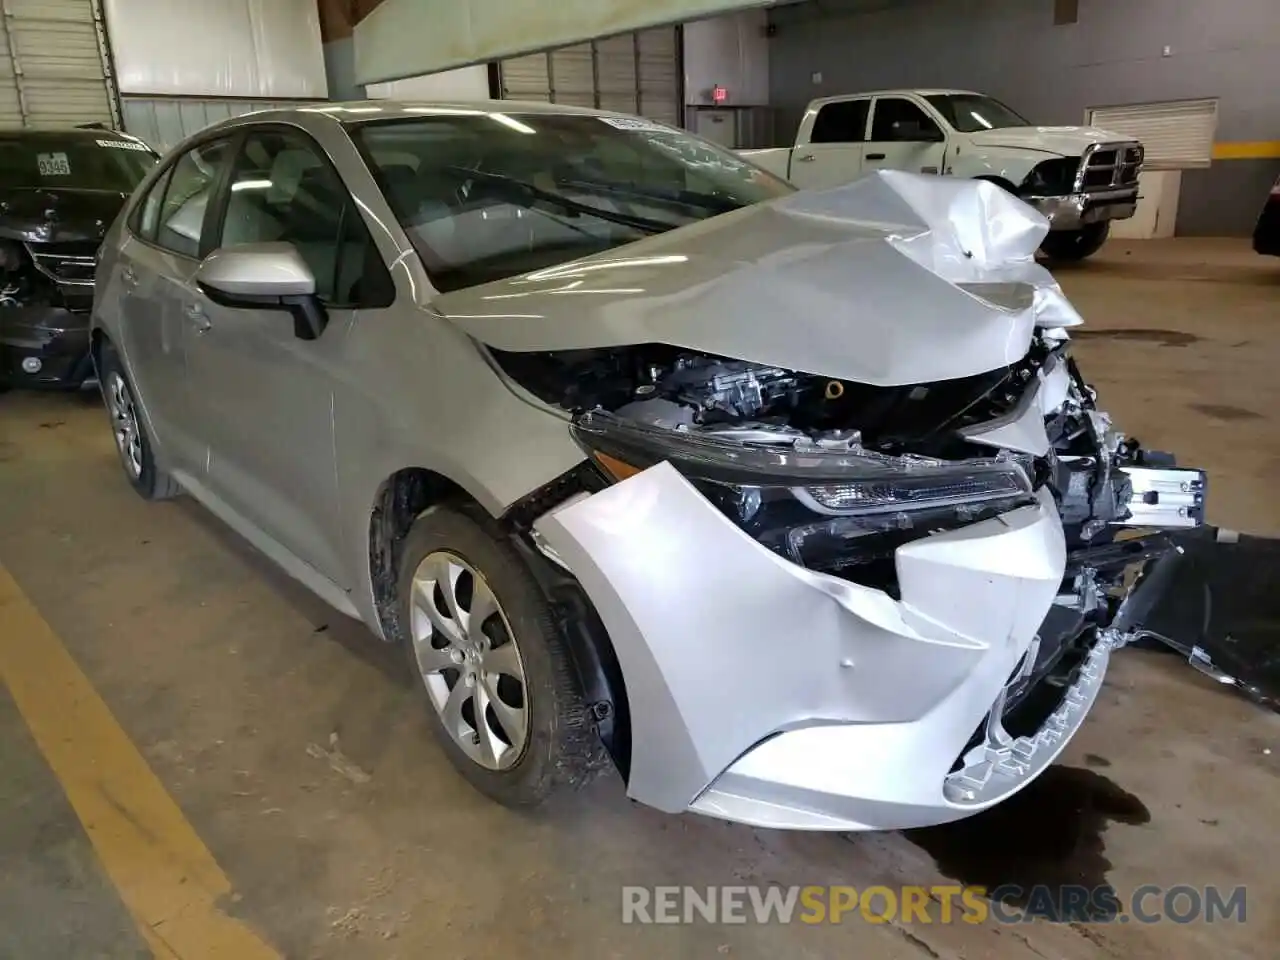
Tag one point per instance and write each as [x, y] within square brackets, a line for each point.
[1052, 178]
[812, 501]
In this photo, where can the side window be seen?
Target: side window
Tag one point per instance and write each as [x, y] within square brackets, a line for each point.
[283, 191]
[901, 121]
[187, 195]
[146, 215]
[841, 122]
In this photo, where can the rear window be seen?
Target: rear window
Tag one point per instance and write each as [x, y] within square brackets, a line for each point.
[78, 163]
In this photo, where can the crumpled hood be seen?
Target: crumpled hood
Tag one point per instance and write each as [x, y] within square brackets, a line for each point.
[1064, 141]
[894, 279]
[57, 214]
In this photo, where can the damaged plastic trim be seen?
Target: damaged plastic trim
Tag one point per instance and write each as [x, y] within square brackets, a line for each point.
[1002, 764]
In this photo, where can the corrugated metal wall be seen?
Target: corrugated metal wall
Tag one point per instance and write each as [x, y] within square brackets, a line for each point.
[632, 73]
[163, 121]
[53, 69]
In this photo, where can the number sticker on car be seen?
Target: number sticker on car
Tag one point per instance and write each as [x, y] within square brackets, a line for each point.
[53, 165]
[634, 123]
[123, 145]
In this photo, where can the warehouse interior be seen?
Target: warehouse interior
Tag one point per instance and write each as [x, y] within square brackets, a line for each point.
[213, 751]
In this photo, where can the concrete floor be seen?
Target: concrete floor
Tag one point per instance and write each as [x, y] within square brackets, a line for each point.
[228, 677]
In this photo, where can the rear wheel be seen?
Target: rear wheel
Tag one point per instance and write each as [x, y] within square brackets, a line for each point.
[1076, 244]
[132, 443]
[484, 647]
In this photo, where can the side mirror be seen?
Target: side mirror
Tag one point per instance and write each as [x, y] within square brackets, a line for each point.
[264, 276]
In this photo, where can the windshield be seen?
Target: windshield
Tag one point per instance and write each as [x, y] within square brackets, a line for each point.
[485, 196]
[972, 112]
[79, 163]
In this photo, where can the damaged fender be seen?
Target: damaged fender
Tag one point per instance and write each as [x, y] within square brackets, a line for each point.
[724, 644]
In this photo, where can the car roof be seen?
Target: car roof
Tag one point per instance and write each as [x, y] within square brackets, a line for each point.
[64, 134]
[365, 111]
[918, 91]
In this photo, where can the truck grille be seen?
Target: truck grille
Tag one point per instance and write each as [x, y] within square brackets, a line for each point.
[1108, 166]
[70, 262]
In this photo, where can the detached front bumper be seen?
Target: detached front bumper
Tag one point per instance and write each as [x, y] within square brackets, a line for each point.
[44, 347]
[766, 693]
[1077, 210]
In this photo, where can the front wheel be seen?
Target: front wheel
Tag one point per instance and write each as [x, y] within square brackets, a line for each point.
[132, 442]
[1075, 244]
[485, 649]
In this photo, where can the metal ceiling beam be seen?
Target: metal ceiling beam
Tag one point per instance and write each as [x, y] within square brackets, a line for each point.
[405, 38]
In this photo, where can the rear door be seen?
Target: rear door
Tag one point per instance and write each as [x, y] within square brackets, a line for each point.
[156, 270]
[904, 137]
[834, 153]
[263, 396]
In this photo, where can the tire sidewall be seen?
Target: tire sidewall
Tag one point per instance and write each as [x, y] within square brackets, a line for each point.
[529, 780]
[145, 482]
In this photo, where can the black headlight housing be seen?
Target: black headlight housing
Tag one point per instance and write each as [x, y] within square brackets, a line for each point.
[1052, 178]
[830, 506]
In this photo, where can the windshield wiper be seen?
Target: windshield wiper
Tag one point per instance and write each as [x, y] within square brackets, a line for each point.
[683, 198]
[643, 224]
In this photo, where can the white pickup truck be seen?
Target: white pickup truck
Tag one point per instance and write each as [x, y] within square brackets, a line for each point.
[1080, 178]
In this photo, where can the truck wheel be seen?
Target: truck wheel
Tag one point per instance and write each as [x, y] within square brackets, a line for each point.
[1075, 244]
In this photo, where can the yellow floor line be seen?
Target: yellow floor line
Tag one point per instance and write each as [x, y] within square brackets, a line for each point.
[163, 872]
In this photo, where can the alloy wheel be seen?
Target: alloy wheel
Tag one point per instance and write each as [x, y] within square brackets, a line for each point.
[469, 661]
[124, 424]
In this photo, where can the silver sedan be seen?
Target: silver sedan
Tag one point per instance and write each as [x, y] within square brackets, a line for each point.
[790, 505]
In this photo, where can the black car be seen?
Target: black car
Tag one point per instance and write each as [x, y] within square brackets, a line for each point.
[1266, 235]
[59, 193]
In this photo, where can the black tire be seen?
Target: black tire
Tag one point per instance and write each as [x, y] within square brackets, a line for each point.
[562, 750]
[1074, 245]
[150, 481]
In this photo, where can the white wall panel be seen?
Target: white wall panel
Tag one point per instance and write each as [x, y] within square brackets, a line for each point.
[217, 48]
[402, 38]
[463, 84]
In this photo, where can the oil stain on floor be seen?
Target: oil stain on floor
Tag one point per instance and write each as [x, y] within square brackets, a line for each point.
[1163, 338]
[1226, 412]
[1049, 834]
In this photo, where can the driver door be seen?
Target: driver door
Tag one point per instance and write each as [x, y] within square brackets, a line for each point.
[904, 137]
[263, 394]
[834, 153]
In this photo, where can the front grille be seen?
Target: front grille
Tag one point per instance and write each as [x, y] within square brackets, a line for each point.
[69, 262]
[1111, 166]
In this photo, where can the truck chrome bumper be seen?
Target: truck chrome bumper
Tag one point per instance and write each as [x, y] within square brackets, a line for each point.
[1076, 210]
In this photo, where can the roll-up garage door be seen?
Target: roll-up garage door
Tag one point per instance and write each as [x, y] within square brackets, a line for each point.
[53, 66]
[1177, 135]
[631, 73]
[658, 59]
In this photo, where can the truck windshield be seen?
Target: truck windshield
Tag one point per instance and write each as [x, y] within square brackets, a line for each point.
[972, 112]
[484, 196]
[44, 161]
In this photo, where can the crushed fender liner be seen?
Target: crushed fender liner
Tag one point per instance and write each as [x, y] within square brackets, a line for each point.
[1220, 609]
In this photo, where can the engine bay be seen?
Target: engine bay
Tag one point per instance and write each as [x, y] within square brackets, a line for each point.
[754, 403]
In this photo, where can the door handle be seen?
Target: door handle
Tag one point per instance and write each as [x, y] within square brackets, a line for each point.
[197, 318]
[806, 157]
[875, 156]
